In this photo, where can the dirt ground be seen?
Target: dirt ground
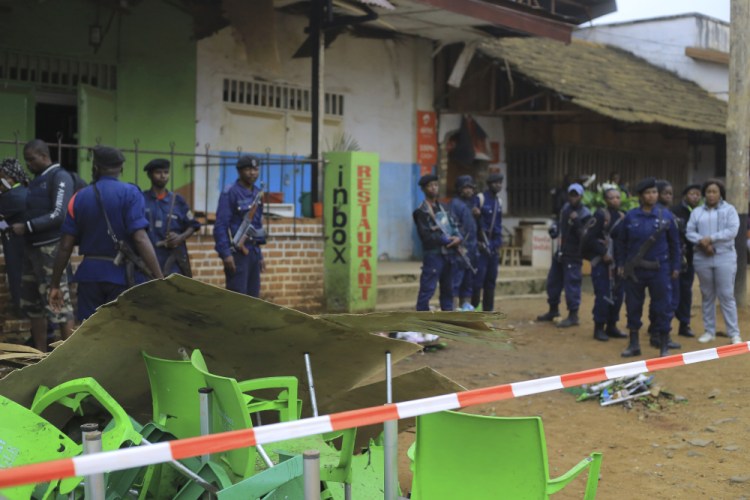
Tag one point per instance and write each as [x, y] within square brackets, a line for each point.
[697, 448]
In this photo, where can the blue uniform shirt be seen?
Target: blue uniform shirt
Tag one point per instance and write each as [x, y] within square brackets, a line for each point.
[125, 209]
[157, 215]
[234, 203]
[461, 211]
[637, 228]
[570, 230]
[491, 207]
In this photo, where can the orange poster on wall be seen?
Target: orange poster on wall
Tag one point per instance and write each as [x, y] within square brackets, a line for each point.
[427, 150]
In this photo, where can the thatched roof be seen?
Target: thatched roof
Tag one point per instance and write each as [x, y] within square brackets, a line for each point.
[612, 82]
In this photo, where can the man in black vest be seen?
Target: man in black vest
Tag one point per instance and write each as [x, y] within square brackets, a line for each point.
[47, 199]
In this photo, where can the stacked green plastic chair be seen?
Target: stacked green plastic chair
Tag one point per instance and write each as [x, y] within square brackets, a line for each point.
[27, 438]
[458, 455]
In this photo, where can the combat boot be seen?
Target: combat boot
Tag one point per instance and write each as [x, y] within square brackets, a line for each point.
[599, 333]
[655, 341]
[550, 315]
[664, 347]
[685, 330]
[634, 347]
[571, 320]
[614, 333]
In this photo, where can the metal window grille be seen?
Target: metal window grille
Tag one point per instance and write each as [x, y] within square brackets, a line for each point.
[277, 96]
[55, 71]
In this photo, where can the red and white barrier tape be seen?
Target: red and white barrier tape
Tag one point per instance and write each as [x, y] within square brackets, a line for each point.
[184, 448]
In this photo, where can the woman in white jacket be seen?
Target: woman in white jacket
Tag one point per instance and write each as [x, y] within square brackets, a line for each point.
[712, 228]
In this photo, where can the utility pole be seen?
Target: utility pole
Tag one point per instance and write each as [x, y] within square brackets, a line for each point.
[738, 135]
[317, 39]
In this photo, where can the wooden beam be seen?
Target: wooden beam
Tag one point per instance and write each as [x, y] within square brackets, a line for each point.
[487, 13]
[708, 55]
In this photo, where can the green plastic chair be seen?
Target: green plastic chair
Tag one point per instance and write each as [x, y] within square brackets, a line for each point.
[458, 455]
[286, 403]
[119, 432]
[27, 438]
[230, 413]
[174, 393]
[71, 394]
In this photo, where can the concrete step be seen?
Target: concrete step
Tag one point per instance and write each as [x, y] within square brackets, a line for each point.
[401, 293]
[435, 304]
[410, 272]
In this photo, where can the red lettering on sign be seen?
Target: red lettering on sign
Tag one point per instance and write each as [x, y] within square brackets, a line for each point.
[364, 230]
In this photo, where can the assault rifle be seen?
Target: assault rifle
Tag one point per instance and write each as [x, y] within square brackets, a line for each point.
[125, 254]
[178, 254]
[445, 224]
[638, 260]
[609, 243]
[246, 229]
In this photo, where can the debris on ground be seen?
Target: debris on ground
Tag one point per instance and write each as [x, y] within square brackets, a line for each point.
[616, 390]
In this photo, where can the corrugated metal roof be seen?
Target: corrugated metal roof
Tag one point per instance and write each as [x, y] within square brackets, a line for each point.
[612, 82]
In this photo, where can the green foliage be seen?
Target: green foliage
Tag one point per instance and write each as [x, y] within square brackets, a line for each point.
[595, 199]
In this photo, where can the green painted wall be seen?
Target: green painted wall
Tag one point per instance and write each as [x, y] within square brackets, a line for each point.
[156, 87]
[155, 54]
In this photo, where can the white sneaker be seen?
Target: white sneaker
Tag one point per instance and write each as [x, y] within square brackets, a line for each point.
[707, 337]
[467, 307]
[736, 340]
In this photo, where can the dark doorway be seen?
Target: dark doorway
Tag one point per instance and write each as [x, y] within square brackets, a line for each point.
[54, 119]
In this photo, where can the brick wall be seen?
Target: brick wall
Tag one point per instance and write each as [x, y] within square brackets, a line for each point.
[294, 264]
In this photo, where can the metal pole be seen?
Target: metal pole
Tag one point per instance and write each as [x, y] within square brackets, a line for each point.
[208, 165]
[390, 437]
[205, 401]
[311, 474]
[294, 195]
[738, 136]
[94, 487]
[317, 94]
[311, 385]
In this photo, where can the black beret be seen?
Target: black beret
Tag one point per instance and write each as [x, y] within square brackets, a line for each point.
[247, 161]
[689, 187]
[464, 180]
[644, 184]
[426, 179]
[662, 184]
[104, 156]
[157, 164]
[495, 178]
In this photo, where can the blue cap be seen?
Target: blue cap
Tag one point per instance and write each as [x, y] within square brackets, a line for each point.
[577, 188]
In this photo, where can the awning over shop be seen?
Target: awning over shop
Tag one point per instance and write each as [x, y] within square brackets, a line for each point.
[612, 82]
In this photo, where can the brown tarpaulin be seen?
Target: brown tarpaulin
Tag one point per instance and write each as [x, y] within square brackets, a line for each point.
[239, 336]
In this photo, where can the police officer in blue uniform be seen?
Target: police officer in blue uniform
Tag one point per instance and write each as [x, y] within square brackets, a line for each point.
[440, 237]
[666, 196]
[461, 209]
[488, 209]
[691, 197]
[13, 189]
[100, 276]
[242, 266]
[565, 272]
[170, 220]
[598, 246]
[648, 256]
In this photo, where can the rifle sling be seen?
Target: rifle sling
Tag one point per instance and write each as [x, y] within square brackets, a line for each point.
[638, 260]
